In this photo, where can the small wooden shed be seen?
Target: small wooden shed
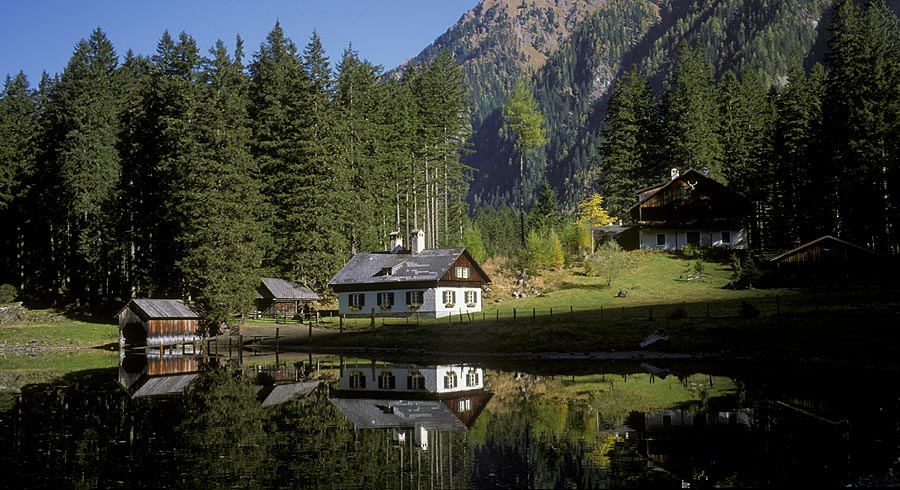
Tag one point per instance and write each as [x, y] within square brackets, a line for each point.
[278, 297]
[829, 261]
[157, 323]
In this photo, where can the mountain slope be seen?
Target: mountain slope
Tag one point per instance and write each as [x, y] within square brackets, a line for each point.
[574, 50]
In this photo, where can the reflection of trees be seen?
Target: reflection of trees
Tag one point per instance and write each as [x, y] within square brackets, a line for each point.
[225, 442]
[563, 431]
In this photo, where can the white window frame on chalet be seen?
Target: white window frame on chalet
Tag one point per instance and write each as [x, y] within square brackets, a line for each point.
[462, 272]
[449, 298]
[471, 298]
[356, 300]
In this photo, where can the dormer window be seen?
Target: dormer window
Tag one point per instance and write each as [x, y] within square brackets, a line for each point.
[461, 272]
[386, 271]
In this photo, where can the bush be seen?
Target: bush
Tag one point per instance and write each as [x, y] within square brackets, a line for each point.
[8, 293]
[691, 252]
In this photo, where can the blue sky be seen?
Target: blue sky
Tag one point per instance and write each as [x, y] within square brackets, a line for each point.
[40, 36]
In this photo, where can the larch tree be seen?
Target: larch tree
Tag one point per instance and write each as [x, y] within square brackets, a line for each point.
[523, 119]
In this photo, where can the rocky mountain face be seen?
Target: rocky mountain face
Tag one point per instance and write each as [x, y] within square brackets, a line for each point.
[574, 50]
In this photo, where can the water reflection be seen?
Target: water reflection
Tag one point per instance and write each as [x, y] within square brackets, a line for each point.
[192, 421]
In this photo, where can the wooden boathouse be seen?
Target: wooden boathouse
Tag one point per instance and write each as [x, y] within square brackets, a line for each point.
[157, 324]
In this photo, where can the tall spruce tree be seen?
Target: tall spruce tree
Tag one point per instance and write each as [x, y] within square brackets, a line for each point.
[276, 112]
[222, 259]
[861, 119]
[746, 119]
[18, 146]
[628, 151]
[798, 206]
[690, 114]
[318, 241]
[82, 121]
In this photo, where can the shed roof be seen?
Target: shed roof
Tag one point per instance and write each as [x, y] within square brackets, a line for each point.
[165, 385]
[286, 392]
[163, 308]
[281, 289]
[821, 241]
[427, 265]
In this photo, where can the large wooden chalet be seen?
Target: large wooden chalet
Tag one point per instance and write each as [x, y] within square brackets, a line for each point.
[431, 283]
[691, 208]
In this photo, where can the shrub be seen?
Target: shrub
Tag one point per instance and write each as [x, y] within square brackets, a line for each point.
[691, 252]
[8, 293]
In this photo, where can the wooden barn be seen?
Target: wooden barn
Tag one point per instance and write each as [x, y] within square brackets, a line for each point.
[277, 297]
[157, 323]
[829, 261]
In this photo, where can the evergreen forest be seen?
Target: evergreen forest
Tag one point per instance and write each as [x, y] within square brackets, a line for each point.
[191, 174]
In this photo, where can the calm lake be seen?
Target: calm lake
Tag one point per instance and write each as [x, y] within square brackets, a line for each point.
[341, 422]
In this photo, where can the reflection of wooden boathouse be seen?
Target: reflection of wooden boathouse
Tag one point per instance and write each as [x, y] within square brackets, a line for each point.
[157, 323]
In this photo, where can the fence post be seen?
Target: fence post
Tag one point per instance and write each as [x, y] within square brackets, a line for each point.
[533, 314]
[514, 314]
[571, 312]
[601, 312]
[498, 315]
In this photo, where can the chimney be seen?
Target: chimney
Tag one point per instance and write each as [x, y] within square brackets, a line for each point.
[396, 241]
[417, 241]
[704, 170]
[674, 173]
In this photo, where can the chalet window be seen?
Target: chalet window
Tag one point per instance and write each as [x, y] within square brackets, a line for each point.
[415, 381]
[385, 300]
[386, 381]
[471, 298]
[660, 239]
[415, 299]
[357, 300]
[357, 380]
[450, 380]
[726, 237]
[472, 378]
[449, 298]
[464, 405]
[386, 271]
[461, 272]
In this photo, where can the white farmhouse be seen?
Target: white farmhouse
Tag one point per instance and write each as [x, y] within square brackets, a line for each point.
[430, 283]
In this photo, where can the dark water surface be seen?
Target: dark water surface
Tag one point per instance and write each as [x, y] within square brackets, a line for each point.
[330, 422]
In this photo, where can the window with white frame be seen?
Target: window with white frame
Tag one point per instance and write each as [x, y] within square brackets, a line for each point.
[449, 298]
[415, 381]
[472, 378]
[386, 381]
[415, 299]
[471, 298]
[462, 272]
[357, 300]
[464, 405]
[357, 380]
[385, 300]
[450, 380]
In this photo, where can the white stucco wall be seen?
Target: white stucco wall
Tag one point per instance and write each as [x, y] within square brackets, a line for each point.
[676, 239]
[434, 377]
[432, 305]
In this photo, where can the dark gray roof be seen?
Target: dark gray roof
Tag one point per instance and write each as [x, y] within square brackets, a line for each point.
[164, 308]
[366, 413]
[165, 385]
[282, 289]
[369, 268]
[287, 392]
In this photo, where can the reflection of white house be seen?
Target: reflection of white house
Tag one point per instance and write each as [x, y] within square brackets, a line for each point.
[431, 283]
[412, 400]
[409, 378]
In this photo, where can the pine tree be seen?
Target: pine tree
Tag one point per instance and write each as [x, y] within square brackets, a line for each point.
[628, 150]
[746, 121]
[861, 121]
[18, 146]
[82, 121]
[690, 116]
[222, 259]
